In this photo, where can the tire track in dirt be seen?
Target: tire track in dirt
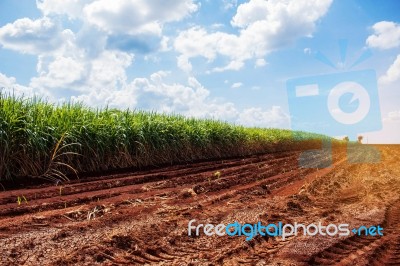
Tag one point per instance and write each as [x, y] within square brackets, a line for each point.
[382, 250]
[236, 174]
[388, 253]
[259, 249]
[160, 202]
[161, 180]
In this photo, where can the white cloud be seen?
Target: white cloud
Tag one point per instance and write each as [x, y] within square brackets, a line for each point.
[263, 25]
[134, 25]
[386, 35]
[154, 93]
[61, 72]
[108, 70]
[307, 51]
[164, 44]
[80, 73]
[392, 117]
[257, 117]
[233, 65]
[121, 16]
[189, 100]
[197, 42]
[6, 82]
[217, 25]
[71, 8]
[65, 61]
[251, 12]
[393, 73]
[136, 16]
[33, 36]
[83, 64]
[184, 64]
[236, 85]
[261, 62]
[228, 4]
[125, 97]
[9, 85]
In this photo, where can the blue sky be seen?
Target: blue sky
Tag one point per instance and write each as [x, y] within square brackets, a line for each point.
[229, 60]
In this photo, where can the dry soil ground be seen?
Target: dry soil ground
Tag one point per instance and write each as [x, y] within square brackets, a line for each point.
[142, 217]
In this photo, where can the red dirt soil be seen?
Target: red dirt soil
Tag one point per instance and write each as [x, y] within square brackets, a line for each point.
[142, 217]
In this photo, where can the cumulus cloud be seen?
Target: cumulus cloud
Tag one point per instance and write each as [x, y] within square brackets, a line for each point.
[33, 36]
[9, 85]
[184, 64]
[108, 70]
[71, 8]
[392, 117]
[236, 85]
[233, 65]
[77, 62]
[164, 45]
[393, 73]
[263, 26]
[197, 42]
[191, 99]
[61, 72]
[228, 4]
[307, 50]
[136, 16]
[130, 25]
[80, 73]
[154, 93]
[386, 35]
[194, 100]
[257, 117]
[122, 16]
[260, 62]
[92, 62]
[125, 97]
